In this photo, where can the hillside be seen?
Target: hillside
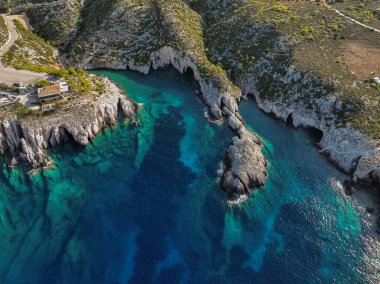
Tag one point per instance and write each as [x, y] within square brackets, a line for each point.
[29, 50]
[3, 31]
[302, 61]
[239, 36]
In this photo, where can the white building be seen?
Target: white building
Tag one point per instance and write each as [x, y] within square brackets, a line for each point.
[53, 92]
[63, 86]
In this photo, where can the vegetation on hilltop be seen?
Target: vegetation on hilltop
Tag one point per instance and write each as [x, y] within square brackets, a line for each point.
[30, 50]
[56, 24]
[134, 29]
[3, 31]
[261, 42]
[292, 51]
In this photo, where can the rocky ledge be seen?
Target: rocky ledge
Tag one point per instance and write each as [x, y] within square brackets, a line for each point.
[27, 139]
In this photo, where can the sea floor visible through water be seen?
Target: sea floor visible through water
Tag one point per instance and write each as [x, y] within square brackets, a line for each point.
[143, 204]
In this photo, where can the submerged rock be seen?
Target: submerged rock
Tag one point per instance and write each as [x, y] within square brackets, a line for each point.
[103, 167]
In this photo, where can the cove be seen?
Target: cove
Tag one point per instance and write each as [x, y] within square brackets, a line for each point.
[143, 205]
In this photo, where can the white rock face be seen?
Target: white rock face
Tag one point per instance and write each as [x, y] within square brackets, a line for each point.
[215, 98]
[349, 149]
[27, 139]
[246, 165]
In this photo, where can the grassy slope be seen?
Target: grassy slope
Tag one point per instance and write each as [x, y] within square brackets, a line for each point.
[136, 28]
[244, 35]
[30, 50]
[3, 31]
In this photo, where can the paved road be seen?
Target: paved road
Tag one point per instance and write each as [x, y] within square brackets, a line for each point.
[10, 76]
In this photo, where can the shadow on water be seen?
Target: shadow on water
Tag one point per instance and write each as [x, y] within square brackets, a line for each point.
[315, 134]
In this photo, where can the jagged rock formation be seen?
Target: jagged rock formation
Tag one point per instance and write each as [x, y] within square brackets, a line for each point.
[353, 152]
[246, 166]
[26, 139]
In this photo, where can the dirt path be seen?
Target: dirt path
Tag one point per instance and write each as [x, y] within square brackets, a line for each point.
[355, 21]
[349, 18]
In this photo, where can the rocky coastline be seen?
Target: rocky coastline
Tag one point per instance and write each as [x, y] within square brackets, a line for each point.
[26, 139]
[351, 151]
[245, 163]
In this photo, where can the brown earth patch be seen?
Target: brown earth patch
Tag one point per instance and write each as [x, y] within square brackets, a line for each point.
[362, 59]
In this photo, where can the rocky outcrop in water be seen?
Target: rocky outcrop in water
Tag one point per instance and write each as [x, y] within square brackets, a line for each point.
[27, 139]
[246, 166]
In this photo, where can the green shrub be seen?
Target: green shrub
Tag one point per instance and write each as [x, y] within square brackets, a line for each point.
[43, 83]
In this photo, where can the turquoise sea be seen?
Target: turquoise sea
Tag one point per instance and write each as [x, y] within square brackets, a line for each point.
[143, 205]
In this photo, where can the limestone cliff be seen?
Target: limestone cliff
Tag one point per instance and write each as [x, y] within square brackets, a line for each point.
[294, 73]
[27, 139]
[352, 151]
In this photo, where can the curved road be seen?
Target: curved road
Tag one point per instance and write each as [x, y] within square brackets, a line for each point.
[10, 76]
[349, 18]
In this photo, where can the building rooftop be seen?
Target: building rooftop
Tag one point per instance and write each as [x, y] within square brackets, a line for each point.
[49, 90]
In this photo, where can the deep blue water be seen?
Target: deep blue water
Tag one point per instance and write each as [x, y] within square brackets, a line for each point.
[143, 205]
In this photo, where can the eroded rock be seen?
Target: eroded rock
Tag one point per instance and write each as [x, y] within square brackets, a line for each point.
[27, 139]
[246, 165]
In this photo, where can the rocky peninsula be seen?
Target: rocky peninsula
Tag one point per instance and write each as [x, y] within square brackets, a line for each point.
[27, 138]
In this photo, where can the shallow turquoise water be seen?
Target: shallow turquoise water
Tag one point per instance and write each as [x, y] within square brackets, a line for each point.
[143, 205]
